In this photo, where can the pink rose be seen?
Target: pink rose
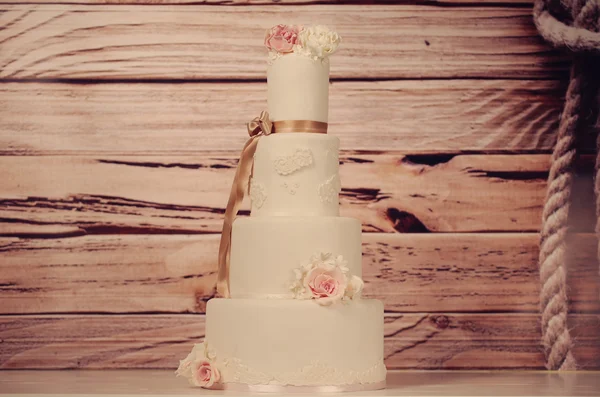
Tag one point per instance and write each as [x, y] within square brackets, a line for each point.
[326, 284]
[281, 38]
[205, 374]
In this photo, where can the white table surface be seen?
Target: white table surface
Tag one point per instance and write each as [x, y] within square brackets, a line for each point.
[400, 383]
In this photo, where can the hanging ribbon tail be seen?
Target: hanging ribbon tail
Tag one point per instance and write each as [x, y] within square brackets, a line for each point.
[238, 189]
[256, 128]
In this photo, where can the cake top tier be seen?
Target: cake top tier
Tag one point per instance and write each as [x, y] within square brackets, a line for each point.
[315, 42]
[298, 72]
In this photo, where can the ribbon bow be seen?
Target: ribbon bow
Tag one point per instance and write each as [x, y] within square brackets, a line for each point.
[260, 124]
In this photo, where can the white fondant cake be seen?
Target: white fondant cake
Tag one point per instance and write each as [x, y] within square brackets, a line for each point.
[292, 98]
[266, 250]
[290, 170]
[298, 343]
[293, 317]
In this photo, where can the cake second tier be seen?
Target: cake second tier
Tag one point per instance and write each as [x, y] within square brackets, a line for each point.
[296, 174]
[266, 250]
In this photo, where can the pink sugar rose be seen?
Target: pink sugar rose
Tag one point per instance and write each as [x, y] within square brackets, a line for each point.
[281, 38]
[327, 284]
[205, 374]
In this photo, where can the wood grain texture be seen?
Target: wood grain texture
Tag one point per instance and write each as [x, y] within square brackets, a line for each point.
[411, 116]
[179, 194]
[420, 340]
[177, 274]
[187, 194]
[197, 42]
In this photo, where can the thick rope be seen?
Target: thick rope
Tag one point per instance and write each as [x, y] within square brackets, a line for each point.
[556, 339]
[571, 24]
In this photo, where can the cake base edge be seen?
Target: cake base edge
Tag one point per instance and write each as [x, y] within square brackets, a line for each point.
[243, 387]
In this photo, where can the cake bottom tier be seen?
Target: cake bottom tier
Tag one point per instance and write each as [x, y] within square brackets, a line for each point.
[295, 342]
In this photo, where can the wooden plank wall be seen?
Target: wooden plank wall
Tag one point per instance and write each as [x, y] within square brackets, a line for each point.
[121, 122]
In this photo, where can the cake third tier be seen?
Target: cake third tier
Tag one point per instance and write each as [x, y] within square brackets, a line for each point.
[266, 251]
[296, 174]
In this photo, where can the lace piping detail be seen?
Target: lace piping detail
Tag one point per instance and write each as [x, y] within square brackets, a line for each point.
[258, 193]
[330, 189]
[286, 165]
[316, 373]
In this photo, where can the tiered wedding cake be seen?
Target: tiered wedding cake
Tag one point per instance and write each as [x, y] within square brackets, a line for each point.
[294, 318]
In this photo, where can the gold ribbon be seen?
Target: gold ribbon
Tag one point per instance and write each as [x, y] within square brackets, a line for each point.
[258, 127]
[300, 126]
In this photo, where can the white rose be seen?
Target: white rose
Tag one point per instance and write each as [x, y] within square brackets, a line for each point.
[355, 287]
[318, 42]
